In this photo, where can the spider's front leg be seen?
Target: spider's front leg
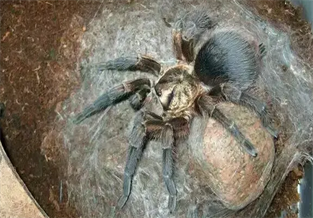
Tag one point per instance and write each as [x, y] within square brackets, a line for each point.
[164, 132]
[113, 96]
[137, 142]
[207, 106]
[168, 132]
[149, 126]
[142, 63]
[237, 96]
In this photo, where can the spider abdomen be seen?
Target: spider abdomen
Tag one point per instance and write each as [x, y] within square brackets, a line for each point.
[227, 57]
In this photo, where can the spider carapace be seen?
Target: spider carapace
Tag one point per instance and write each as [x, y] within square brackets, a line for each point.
[224, 69]
[177, 90]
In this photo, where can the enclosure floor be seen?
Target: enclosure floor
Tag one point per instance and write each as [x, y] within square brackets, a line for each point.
[32, 42]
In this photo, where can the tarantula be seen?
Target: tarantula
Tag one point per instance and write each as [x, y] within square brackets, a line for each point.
[223, 69]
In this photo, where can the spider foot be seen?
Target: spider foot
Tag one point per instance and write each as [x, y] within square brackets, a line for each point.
[122, 201]
[267, 123]
[249, 148]
[126, 191]
[271, 131]
[172, 203]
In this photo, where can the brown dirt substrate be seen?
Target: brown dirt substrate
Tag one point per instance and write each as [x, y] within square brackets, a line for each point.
[35, 77]
[38, 50]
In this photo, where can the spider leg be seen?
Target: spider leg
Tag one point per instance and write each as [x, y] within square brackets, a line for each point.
[167, 138]
[137, 142]
[150, 126]
[168, 132]
[207, 106]
[113, 96]
[140, 63]
[164, 131]
[168, 175]
[138, 99]
[187, 32]
[237, 96]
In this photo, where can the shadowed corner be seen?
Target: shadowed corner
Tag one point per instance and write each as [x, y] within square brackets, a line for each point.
[2, 138]
[2, 108]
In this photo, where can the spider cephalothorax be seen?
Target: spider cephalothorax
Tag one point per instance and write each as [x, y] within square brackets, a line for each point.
[222, 70]
[177, 89]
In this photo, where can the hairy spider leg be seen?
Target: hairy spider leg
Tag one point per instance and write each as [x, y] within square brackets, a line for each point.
[168, 132]
[168, 163]
[137, 100]
[142, 63]
[207, 107]
[237, 96]
[160, 130]
[137, 142]
[113, 96]
[154, 129]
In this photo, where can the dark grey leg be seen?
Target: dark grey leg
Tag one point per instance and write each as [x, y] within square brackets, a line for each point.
[148, 125]
[134, 155]
[140, 63]
[168, 142]
[137, 141]
[159, 129]
[238, 97]
[233, 129]
[207, 106]
[168, 178]
[113, 96]
[137, 100]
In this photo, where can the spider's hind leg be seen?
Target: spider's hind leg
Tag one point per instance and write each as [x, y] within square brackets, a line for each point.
[237, 96]
[187, 32]
[207, 106]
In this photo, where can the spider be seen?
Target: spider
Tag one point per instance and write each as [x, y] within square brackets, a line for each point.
[224, 68]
